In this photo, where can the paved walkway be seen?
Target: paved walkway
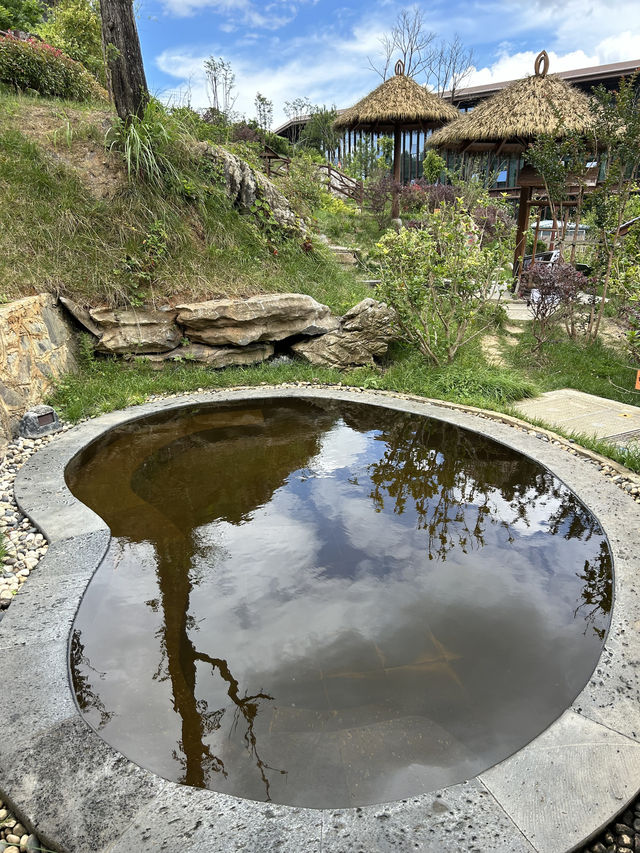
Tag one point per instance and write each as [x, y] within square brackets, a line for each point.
[576, 411]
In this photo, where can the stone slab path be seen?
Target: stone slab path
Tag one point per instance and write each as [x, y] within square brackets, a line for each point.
[576, 411]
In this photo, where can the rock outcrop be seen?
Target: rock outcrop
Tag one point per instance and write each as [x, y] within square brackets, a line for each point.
[217, 356]
[135, 331]
[245, 186]
[269, 317]
[36, 346]
[365, 331]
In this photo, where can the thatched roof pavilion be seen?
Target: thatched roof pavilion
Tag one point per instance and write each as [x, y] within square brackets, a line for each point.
[397, 104]
[511, 119]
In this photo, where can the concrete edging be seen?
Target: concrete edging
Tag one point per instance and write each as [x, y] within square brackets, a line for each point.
[80, 795]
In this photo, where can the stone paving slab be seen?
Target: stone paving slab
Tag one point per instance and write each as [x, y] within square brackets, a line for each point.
[574, 759]
[446, 822]
[208, 822]
[578, 412]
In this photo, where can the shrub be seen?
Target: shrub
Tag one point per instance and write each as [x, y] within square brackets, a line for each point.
[422, 195]
[378, 192]
[32, 64]
[554, 297]
[439, 280]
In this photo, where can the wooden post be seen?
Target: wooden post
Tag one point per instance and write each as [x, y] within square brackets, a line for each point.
[397, 154]
[535, 236]
[521, 233]
[574, 242]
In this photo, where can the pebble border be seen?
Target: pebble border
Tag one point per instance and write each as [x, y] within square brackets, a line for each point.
[26, 547]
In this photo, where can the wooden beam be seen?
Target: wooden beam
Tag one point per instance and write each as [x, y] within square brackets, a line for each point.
[397, 155]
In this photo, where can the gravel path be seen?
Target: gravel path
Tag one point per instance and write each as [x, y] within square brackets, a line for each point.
[25, 547]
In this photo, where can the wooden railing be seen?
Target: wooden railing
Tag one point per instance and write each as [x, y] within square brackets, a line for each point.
[335, 180]
[338, 182]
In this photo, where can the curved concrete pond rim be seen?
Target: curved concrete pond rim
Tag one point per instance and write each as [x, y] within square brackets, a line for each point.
[81, 795]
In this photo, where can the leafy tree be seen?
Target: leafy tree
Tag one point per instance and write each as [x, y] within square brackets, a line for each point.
[617, 131]
[319, 132]
[558, 162]
[20, 14]
[221, 83]
[74, 27]
[264, 112]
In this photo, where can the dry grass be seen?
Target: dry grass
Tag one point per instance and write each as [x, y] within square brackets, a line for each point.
[524, 109]
[398, 100]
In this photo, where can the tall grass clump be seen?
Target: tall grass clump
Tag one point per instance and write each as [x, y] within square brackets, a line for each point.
[150, 144]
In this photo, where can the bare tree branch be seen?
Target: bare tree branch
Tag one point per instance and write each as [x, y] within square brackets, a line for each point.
[449, 66]
[407, 40]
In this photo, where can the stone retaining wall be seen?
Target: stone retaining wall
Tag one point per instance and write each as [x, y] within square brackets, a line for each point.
[36, 346]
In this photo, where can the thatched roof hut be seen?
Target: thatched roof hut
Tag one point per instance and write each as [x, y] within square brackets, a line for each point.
[524, 110]
[397, 101]
[397, 104]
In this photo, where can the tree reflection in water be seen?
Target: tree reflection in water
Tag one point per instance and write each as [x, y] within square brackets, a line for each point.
[458, 483]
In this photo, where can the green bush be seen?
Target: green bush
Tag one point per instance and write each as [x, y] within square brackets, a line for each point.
[38, 66]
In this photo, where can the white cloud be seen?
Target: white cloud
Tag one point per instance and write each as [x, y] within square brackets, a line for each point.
[513, 66]
[326, 68]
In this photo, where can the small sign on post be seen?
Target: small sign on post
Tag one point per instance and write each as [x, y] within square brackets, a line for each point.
[638, 381]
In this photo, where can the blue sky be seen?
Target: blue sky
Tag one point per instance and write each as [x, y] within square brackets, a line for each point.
[319, 48]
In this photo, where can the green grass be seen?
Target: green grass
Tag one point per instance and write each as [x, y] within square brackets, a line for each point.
[103, 385]
[595, 369]
[3, 550]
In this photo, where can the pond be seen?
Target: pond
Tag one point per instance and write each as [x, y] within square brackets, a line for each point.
[329, 604]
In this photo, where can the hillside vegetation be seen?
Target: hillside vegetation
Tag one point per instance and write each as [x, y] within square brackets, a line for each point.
[75, 224]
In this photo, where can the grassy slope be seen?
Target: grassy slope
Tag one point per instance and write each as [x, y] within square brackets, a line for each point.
[71, 220]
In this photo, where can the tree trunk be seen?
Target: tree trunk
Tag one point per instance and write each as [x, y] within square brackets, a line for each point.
[125, 71]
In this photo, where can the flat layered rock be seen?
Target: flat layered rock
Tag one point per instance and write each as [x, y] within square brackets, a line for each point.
[135, 331]
[365, 331]
[217, 356]
[269, 317]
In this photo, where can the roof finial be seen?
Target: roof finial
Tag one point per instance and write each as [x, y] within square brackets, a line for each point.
[399, 68]
[541, 65]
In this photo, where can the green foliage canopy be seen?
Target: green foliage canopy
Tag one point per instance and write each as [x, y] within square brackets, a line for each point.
[20, 14]
[74, 28]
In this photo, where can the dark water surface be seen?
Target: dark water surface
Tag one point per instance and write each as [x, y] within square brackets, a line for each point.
[330, 604]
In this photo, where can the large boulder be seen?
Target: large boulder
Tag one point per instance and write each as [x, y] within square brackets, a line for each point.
[365, 331]
[244, 186]
[217, 356]
[268, 317]
[373, 322]
[135, 331]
